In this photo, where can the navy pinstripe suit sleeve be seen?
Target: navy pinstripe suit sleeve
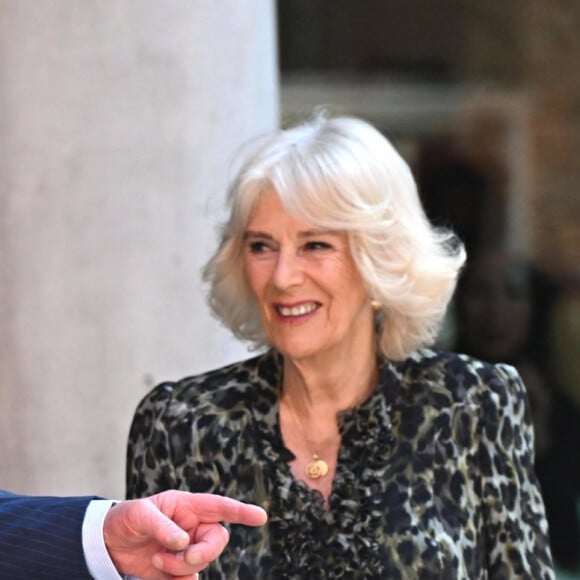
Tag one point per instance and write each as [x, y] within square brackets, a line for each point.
[41, 537]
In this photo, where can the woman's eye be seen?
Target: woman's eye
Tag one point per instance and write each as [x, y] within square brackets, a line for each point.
[257, 247]
[316, 245]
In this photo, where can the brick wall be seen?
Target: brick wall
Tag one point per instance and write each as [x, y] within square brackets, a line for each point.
[535, 46]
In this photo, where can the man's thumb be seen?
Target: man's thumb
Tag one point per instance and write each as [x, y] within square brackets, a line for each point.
[165, 530]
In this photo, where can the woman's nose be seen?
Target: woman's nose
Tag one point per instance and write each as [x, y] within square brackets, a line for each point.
[288, 271]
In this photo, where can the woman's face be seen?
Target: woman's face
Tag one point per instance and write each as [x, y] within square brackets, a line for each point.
[311, 297]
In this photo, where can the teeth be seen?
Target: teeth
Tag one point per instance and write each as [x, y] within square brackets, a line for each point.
[300, 310]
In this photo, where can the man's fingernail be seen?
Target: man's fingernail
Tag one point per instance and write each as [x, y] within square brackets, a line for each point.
[157, 562]
[179, 538]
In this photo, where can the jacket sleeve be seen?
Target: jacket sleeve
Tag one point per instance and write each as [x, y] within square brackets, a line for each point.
[41, 537]
[177, 442]
[149, 467]
[516, 528]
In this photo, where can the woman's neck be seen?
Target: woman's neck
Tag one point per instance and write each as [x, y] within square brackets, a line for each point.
[314, 387]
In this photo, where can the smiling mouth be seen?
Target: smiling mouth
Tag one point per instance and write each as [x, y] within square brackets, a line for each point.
[299, 310]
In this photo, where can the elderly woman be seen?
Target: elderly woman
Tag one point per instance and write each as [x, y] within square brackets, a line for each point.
[375, 457]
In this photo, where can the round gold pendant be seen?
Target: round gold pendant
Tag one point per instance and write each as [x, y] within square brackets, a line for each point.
[316, 468]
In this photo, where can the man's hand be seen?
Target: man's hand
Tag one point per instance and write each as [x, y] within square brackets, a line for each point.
[173, 534]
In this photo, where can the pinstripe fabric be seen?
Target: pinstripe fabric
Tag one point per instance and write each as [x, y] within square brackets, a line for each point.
[40, 537]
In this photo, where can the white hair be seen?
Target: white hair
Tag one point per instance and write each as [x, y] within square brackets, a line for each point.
[342, 174]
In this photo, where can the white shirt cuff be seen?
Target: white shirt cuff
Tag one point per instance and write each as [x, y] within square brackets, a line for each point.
[97, 557]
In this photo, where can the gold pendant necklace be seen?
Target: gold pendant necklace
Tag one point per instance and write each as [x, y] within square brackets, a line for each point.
[317, 468]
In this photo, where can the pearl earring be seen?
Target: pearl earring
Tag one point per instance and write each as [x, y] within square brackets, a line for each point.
[375, 304]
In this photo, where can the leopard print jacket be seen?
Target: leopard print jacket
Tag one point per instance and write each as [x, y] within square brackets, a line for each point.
[435, 476]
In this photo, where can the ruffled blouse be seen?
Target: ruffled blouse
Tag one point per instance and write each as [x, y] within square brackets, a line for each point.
[434, 478]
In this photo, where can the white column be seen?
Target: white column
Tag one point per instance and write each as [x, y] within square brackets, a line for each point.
[118, 123]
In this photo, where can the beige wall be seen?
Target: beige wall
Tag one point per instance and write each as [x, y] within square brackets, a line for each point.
[118, 121]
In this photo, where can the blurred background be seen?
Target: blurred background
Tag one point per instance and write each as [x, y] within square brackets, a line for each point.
[119, 126]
